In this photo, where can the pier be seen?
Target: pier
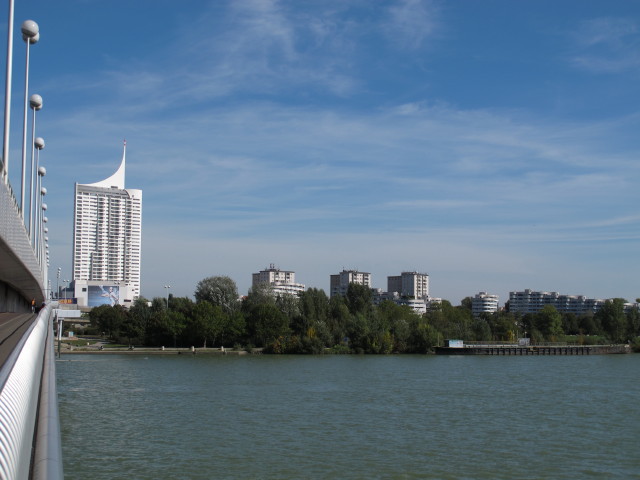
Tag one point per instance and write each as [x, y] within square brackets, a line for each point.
[510, 349]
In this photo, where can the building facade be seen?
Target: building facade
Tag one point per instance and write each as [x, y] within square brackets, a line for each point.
[281, 281]
[484, 302]
[529, 301]
[107, 238]
[409, 284]
[339, 283]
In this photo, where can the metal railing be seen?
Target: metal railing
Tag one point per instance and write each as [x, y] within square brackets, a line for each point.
[30, 445]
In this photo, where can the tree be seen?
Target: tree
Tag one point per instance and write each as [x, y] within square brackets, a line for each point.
[266, 323]
[570, 324]
[481, 329]
[612, 318]
[338, 318]
[633, 323]
[259, 294]
[207, 321]
[108, 319]
[467, 303]
[423, 336]
[358, 298]
[165, 327]
[220, 290]
[549, 322]
[288, 304]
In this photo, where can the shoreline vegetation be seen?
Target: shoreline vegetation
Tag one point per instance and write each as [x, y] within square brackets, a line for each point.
[313, 323]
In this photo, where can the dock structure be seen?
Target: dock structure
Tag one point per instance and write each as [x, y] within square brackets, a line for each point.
[534, 350]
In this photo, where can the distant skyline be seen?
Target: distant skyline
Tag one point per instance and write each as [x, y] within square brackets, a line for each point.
[493, 145]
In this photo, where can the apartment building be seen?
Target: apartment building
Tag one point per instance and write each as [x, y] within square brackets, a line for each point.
[281, 281]
[484, 302]
[529, 301]
[107, 234]
[339, 283]
[409, 284]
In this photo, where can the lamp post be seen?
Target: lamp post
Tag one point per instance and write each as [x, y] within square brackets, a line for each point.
[39, 225]
[4, 171]
[30, 34]
[43, 245]
[58, 283]
[167, 287]
[36, 104]
[66, 282]
[44, 221]
[40, 205]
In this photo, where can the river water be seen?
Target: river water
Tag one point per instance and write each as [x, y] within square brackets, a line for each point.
[351, 417]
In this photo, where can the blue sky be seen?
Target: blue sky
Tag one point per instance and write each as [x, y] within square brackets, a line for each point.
[493, 145]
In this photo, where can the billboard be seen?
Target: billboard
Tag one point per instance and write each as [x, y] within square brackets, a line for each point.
[103, 295]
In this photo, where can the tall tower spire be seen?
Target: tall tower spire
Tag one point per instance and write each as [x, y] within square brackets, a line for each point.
[117, 179]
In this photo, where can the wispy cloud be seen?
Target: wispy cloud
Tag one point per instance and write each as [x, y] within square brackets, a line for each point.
[411, 22]
[607, 45]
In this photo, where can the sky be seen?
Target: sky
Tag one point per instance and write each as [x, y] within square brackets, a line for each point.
[493, 145]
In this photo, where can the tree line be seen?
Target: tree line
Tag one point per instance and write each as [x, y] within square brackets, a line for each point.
[311, 322]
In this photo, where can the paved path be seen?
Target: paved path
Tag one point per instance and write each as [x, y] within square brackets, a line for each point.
[12, 328]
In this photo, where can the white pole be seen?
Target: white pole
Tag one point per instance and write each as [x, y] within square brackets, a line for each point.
[4, 173]
[36, 104]
[29, 35]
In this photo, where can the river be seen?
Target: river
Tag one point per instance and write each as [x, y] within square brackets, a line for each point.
[349, 417]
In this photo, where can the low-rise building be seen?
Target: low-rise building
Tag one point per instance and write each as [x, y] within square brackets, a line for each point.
[484, 302]
[529, 301]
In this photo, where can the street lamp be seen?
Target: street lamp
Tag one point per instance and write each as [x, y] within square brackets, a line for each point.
[37, 232]
[40, 212]
[41, 243]
[36, 104]
[58, 283]
[167, 287]
[30, 34]
[65, 290]
[4, 171]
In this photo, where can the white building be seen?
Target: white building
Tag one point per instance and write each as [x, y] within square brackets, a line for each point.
[529, 301]
[339, 283]
[409, 284]
[484, 302]
[107, 234]
[281, 281]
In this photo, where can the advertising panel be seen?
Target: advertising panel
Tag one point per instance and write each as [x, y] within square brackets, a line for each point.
[103, 295]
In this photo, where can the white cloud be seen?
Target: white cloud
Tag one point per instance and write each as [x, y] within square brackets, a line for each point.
[411, 22]
[608, 45]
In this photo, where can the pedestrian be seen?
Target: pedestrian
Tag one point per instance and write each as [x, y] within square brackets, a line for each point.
[33, 305]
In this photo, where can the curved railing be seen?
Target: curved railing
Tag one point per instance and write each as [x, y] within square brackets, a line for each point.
[29, 424]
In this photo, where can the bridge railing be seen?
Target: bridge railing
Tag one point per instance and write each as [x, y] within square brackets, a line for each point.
[30, 445]
[17, 255]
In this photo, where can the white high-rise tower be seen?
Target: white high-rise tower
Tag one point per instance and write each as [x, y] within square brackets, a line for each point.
[107, 236]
